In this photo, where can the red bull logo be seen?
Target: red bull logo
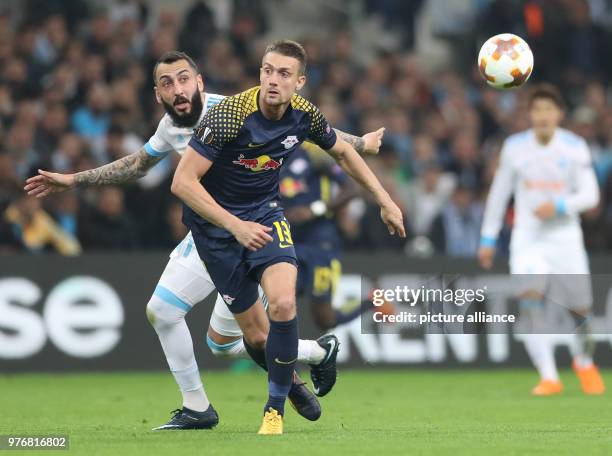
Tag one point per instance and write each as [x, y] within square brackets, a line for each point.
[261, 163]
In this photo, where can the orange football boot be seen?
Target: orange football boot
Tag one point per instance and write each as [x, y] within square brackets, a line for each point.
[590, 379]
[547, 388]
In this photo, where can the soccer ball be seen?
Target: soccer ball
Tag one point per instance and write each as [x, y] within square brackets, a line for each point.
[505, 61]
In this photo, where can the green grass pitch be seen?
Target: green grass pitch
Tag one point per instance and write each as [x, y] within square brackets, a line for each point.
[376, 412]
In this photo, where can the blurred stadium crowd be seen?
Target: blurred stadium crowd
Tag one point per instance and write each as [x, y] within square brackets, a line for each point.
[76, 92]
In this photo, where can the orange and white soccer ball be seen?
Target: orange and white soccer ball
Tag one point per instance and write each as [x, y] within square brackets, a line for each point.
[505, 61]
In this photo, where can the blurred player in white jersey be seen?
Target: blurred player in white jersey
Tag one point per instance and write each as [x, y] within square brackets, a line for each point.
[185, 281]
[548, 170]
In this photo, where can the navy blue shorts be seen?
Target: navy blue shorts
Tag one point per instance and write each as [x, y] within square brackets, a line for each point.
[319, 271]
[235, 270]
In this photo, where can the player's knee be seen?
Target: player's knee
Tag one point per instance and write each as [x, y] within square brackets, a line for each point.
[151, 313]
[256, 339]
[160, 313]
[282, 308]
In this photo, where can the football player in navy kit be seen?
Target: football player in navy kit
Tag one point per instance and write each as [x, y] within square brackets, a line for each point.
[228, 179]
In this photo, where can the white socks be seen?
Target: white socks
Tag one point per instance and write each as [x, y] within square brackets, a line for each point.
[542, 355]
[175, 338]
[194, 396]
[309, 351]
[196, 400]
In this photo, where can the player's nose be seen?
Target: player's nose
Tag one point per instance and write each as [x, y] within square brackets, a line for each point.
[273, 81]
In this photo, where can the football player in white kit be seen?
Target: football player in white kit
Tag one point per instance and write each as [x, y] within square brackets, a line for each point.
[185, 280]
[548, 170]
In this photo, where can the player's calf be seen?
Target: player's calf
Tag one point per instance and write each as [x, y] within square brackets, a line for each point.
[166, 313]
[278, 283]
[281, 356]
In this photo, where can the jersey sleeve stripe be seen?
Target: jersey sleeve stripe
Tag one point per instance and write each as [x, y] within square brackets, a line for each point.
[154, 153]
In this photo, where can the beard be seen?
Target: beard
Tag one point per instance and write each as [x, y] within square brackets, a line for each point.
[188, 119]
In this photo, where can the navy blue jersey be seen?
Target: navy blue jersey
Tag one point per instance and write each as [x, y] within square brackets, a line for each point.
[248, 150]
[302, 183]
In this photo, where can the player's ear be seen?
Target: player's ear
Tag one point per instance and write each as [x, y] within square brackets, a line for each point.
[157, 95]
[200, 81]
[300, 82]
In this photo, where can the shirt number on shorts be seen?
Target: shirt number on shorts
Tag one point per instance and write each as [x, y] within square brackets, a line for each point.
[284, 234]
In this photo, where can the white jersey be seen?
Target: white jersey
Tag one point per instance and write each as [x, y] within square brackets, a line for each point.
[169, 137]
[185, 281]
[560, 171]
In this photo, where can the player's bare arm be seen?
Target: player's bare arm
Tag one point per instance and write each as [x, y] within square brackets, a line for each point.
[368, 144]
[352, 163]
[186, 186]
[126, 169]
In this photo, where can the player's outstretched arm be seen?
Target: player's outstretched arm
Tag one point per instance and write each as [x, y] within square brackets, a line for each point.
[126, 169]
[368, 144]
[348, 158]
[186, 186]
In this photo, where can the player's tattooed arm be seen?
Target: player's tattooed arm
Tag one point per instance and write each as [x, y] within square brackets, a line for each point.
[120, 171]
[355, 141]
[368, 144]
[131, 167]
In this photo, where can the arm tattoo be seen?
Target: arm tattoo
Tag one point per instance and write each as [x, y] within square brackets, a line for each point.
[356, 141]
[126, 169]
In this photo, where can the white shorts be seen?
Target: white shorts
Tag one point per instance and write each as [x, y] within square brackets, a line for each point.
[561, 271]
[185, 282]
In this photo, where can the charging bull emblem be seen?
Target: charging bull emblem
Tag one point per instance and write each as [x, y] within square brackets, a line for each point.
[261, 163]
